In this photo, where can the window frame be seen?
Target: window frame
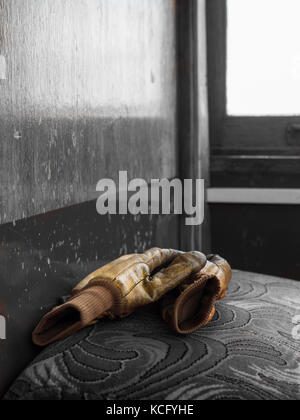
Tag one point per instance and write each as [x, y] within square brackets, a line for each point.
[233, 135]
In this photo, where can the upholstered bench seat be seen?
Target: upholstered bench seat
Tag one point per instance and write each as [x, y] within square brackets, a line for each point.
[249, 351]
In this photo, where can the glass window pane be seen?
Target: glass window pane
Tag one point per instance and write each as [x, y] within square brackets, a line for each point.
[263, 57]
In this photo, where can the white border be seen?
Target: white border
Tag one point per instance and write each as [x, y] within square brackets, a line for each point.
[253, 196]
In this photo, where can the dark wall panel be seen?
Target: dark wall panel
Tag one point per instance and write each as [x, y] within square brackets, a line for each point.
[258, 238]
[44, 257]
[89, 89]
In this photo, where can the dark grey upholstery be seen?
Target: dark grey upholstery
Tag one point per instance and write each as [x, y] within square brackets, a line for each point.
[247, 352]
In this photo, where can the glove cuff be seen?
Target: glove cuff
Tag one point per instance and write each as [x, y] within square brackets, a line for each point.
[195, 307]
[79, 312]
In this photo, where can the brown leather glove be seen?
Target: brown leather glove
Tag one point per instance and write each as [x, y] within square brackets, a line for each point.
[118, 289]
[192, 305]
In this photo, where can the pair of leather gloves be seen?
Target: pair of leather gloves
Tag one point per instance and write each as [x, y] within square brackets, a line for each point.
[188, 283]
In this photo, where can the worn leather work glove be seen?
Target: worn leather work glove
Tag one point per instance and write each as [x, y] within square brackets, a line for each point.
[118, 289]
[192, 305]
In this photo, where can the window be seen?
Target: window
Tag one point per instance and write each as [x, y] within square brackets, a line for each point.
[263, 57]
[254, 76]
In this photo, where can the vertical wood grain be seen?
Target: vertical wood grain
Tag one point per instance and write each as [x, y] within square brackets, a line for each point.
[90, 90]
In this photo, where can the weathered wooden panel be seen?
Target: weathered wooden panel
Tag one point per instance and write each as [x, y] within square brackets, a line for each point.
[89, 89]
[255, 171]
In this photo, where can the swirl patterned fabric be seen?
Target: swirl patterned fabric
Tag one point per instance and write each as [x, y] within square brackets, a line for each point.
[249, 351]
